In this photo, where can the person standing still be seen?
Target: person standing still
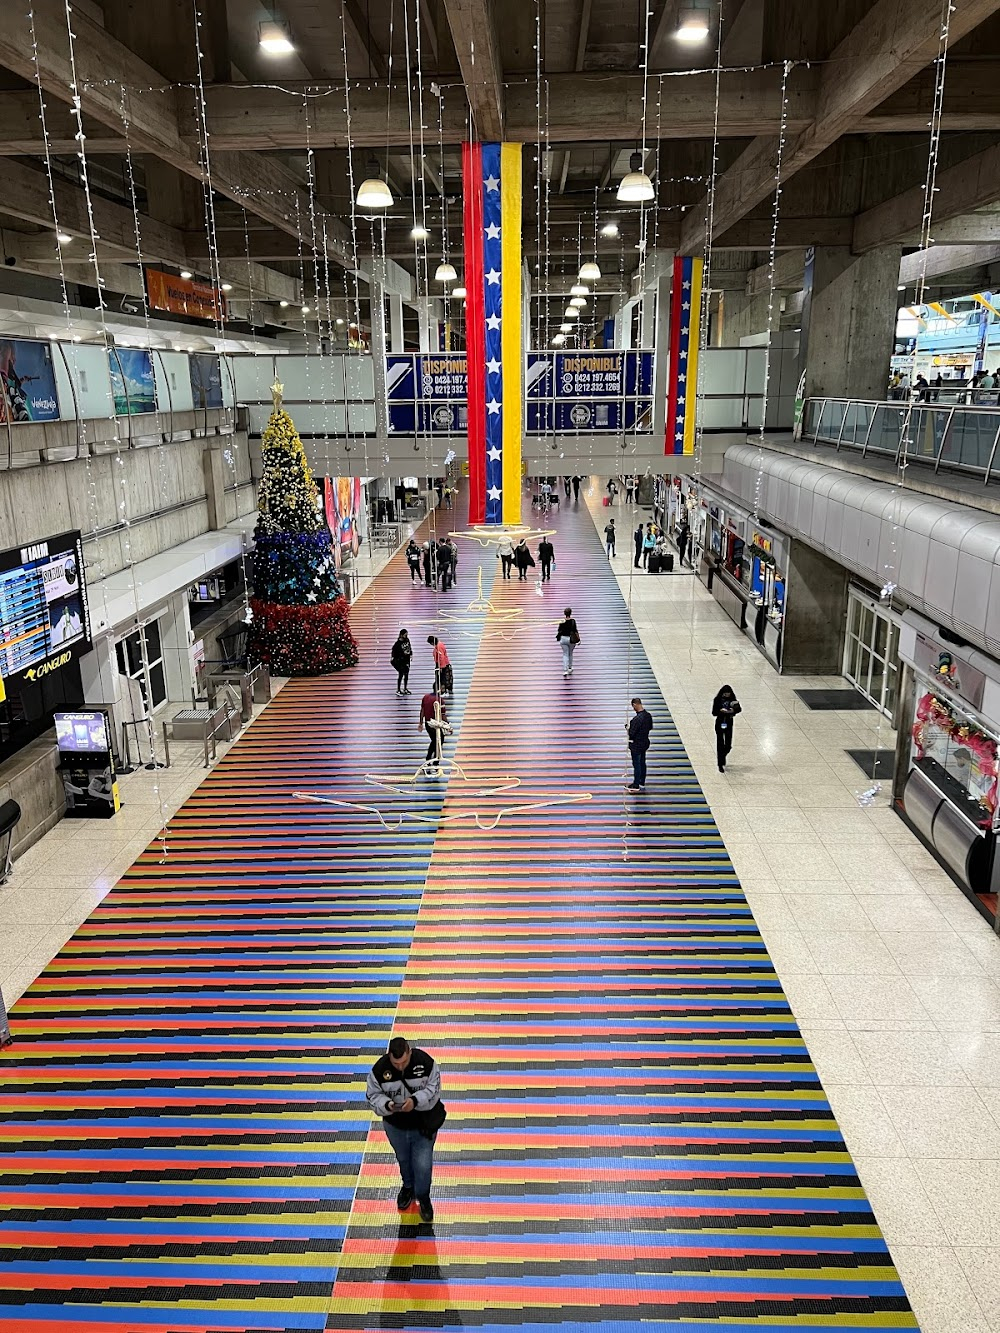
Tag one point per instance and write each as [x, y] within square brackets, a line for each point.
[648, 544]
[505, 554]
[444, 677]
[546, 555]
[567, 637]
[637, 537]
[402, 652]
[404, 1088]
[427, 558]
[434, 720]
[639, 726]
[609, 537]
[725, 706]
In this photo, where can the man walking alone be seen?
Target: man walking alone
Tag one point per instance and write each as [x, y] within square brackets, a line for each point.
[404, 1088]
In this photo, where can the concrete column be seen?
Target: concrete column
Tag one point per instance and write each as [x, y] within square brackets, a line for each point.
[647, 318]
[175, 640]
[849, 321]
[214, 467]
[395, 323]
[379, 343]
[426, 325]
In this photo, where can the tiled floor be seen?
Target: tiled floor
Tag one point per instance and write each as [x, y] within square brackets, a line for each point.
[892, 974]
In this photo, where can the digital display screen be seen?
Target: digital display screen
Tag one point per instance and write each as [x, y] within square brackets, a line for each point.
[44, 620]
[82, 733]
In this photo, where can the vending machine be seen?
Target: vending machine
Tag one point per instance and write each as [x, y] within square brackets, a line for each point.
[87, 764]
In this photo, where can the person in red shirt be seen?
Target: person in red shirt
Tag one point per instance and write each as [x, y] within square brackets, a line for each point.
[433, 720]
[444, 677]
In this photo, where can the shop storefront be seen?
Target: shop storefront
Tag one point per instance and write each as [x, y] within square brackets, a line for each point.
[946, 760]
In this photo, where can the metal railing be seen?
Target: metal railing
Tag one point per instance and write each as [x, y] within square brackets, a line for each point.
[958, 437]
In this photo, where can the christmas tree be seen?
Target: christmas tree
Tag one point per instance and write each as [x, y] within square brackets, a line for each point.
[299, 624]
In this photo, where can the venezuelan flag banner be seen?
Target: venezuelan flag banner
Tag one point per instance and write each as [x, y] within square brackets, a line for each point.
[491, 179]
[685, 343]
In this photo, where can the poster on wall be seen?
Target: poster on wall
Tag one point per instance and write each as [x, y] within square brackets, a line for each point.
[183, 296]
[27, 381]
[342, 505]
[206, 379]
[132, 382]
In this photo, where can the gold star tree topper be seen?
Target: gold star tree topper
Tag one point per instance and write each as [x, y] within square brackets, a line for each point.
[277, 390]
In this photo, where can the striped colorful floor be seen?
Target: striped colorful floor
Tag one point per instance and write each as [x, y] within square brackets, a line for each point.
[636, 1135]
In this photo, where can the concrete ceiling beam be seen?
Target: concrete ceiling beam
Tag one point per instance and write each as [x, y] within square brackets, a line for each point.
[894, 41]
[961, 189]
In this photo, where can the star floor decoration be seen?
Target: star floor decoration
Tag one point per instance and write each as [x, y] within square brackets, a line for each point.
[404, 784]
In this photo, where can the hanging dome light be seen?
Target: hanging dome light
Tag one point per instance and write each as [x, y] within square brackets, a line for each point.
[373, 193]
[565, 328]
[590, 272]
[571, 312]
[557, 340]
[692, 26]
[610, 229]
[445, 272]
[419, 233]
[636, 187]
[459, 293]
[579, 289]
[580, 302]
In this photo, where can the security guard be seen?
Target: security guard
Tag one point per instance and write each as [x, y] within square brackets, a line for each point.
[404, 1088]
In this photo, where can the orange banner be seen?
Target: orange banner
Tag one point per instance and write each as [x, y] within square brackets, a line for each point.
[183, 296]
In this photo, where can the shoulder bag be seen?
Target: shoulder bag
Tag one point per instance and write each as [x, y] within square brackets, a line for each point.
[430, 1121]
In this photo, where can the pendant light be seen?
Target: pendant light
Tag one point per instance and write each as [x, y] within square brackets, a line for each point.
[571, 312]
[579, 289]
[579, 302]
[458, 293]
[610, 229]
[636, 187]
[558, 339]
[590, 272]
[419, 233]
[373, 193]
[445, 272]
[565, 328]
[692, 26]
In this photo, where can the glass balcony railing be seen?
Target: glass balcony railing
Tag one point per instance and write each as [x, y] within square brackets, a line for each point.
[963, 437]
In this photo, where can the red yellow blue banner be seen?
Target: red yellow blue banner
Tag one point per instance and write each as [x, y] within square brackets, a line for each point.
[685, 344]
[491, 177]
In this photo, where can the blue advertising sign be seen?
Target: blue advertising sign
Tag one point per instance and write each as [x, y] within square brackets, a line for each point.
[427, 393]
[132, 382]
[27, 381]
[589, 390]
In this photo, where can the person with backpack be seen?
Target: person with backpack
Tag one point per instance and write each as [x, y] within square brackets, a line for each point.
[404, 1088]
[567, 637]
[400, 655]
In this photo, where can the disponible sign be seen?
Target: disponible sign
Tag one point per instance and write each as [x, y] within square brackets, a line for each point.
[183, 296]
[427, 392]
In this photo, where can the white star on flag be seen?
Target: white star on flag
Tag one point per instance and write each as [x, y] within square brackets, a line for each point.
[493, 232]
[493, 277]
[686, 305]
[493, 454]
[493, 407]
[687, 286]
[493, 322]
[492, 183]
[685, 331]
[493, 366]
[679, 435]
[682, 377]
[494, 492]
[682, 355]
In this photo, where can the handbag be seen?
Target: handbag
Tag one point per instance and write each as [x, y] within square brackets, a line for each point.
[574, 637]
[430, 1121]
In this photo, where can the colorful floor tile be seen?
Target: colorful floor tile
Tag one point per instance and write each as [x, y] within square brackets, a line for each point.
[636, 1135]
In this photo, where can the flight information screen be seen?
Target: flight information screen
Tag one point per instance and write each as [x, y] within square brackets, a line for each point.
[44, 620]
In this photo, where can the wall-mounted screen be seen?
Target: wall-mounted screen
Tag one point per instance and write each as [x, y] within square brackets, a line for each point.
[44, 620]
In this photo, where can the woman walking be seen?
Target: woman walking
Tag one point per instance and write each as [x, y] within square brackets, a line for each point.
[523, 559]
[402, 651]
[725, 706]
[567, 636]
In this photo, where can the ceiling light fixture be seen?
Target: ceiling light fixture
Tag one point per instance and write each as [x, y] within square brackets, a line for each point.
[458, 292]
[63, 237]
[275, 38]
[609, 229]
[579, 289]
[306, 309]
[227, 286]
[419, 233]
[283, 304]
[186, 273]
[571, 312]
[692, 26]
[340, 323]
[579, 302]
[590, 272]
[557, 340]
[445, 272]
[565, 328]
[373, 193]
[636, 187]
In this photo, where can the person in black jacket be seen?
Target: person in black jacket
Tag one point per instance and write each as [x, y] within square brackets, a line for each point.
[637, 537]
[725, 706]
[402, 651]
[404, 1085]
[523, 559]
[567, 637]
[413, 561]
[639, 726]
[546, 554]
